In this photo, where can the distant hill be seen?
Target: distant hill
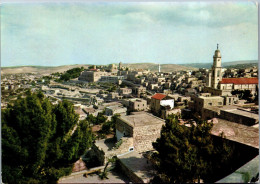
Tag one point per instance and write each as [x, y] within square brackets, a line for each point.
[241, 66]
[224, 64]
[38, 69]
[154, 67]
[52, 69]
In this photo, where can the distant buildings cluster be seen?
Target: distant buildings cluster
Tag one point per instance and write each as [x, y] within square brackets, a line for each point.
[144, 100]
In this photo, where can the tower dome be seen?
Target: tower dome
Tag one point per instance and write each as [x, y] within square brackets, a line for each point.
[217, 52]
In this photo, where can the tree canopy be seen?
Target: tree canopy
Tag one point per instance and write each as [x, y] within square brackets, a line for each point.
[71, 74]
[243, 94]
[186, 154]
[40, 141]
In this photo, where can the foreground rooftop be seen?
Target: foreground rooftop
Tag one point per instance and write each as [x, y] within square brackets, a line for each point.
[138, 165]
[141, 119]
[236, 132]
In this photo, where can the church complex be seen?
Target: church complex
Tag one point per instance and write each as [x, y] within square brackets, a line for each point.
[216, 85]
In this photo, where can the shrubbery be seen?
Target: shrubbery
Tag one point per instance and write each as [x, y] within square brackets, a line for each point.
[38, 141]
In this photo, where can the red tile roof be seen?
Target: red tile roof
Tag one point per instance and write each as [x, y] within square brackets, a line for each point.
[159, 96]
[239, 81]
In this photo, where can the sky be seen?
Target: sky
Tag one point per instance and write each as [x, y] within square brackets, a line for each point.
[53, 34]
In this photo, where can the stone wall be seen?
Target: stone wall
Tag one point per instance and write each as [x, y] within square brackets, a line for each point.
[128, 172]
[124, 128]
[155, 105]
[123, 148]
[238, 118]
[206, 102]
[166, 113]
[144, 136]
[138, 105]
[208, 113]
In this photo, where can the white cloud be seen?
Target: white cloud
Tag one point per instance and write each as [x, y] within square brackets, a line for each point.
[129, 32]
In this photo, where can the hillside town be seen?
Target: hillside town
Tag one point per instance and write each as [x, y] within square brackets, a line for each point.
[139, 102]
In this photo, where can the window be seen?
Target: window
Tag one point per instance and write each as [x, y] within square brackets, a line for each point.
[219, 103]
[209, 103]
[218, 73]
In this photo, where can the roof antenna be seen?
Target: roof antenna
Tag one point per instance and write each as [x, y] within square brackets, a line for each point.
[217, 46]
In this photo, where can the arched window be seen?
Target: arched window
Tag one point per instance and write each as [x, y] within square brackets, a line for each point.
[218, 73]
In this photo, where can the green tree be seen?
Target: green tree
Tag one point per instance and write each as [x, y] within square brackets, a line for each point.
[186, 154]
[243, 94]
[71, 74]
[40, 140]
[103, 175]
[101, 118]
[91, 119]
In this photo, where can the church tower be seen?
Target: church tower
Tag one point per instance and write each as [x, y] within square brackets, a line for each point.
[216, 75]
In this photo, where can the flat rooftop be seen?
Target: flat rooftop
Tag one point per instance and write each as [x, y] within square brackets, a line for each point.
[138, 165]
[116, 107]
[236, 132]
[241, 112]
[141, 119]
[211, 97]
[212, 108]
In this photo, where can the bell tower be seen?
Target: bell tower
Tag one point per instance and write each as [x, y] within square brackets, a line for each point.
[216, 75]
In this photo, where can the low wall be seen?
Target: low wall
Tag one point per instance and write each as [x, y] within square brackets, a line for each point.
[134, 178]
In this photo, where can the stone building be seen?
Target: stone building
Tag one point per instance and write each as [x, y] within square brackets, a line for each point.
[166, 111]
[201, 102]
[231, 100]
[126, 92]
[139, 91]
[113, 96]
[155, 102]
[112, 110]
[143, 127]
[137, 104]
[112, 79]
[92, 76]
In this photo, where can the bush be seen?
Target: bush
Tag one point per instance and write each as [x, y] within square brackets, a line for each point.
[39, 136]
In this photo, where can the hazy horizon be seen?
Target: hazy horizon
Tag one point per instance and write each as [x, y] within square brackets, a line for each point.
[248, 61]
[56, 34]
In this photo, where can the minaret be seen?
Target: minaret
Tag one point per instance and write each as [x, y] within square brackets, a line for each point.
[120, 65]
[159, 68]
[216, 75]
